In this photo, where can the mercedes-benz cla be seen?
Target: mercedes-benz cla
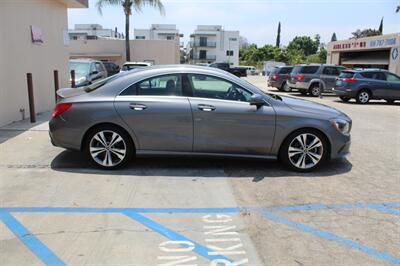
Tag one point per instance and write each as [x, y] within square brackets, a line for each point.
[191, 110]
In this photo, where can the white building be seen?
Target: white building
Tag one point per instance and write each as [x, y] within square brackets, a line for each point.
[159, 32]
[92, 31]
[211, 43]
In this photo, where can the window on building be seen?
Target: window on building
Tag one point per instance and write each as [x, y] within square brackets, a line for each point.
[202, 54]
[229, 53]
[140, 37]
[170, 38]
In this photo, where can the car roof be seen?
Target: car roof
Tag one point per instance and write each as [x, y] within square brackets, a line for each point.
[133, 63]
[84, 60]
[365, 70]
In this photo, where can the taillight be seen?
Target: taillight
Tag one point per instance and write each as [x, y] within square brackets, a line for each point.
[275, 77]
[61, 108]
[349, 80]
[300, 77]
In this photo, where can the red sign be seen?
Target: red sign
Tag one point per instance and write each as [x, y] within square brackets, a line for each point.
[36, 33]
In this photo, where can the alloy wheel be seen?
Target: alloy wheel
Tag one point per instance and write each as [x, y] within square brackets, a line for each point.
[315, 91]
[305, 151]
[107, 148]
[363, 97]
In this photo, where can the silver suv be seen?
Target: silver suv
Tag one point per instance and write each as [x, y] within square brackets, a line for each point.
[314, 79]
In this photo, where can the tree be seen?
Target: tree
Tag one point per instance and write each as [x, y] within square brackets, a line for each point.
[398, 9]
[333, 38]
[128, 6]
[305, 44]
[365, 33]
[381, 27]
[278, 37]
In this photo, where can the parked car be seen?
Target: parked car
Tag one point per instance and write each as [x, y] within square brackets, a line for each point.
[314, 79]
[237, 71]
[278, 77]
[87, 71]
[133, 65]
[169, 110]
[250, 70]
[111, 68]
[364, 85]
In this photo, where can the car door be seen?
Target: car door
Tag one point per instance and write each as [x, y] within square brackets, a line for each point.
[393, 82]
[378, 84]
[328, 76]
[225, 122]
[158, 114]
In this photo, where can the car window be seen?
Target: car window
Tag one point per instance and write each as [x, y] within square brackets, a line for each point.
[296, 70]
[215, 88]
[392, 78]
[346, 74]
[373, 75]
[332, 71]
[99, 67]
[161, 85]
[309, 69]
[285, 70]
[92, 68]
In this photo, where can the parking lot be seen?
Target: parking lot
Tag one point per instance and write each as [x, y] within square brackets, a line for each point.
[58, 210]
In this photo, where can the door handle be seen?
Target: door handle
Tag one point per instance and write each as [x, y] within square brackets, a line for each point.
[206, 107]
[137, 107]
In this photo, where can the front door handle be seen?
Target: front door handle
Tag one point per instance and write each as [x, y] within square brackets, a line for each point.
[206, 107]
[137, 107]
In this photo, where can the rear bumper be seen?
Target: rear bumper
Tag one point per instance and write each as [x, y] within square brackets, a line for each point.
[298, 85]
[343, 92]
[274, 84]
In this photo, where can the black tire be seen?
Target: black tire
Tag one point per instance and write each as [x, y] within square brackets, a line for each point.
[390, 101]
[344, 99]
[315, 90]
[290, 141]
[363, 97]
[304, 93]
[284, 87]
[126, 144]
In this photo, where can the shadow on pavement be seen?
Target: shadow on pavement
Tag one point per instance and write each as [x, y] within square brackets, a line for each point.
[77, 162]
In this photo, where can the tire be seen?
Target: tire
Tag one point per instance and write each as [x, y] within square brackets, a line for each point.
[285, 87]
[315, 90]
[390, 101]
[344, 99]
[363, 97]
[104, 155]
[304, 93]
[303, 158]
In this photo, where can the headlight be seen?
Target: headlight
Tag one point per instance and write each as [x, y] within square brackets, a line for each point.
[341, 125]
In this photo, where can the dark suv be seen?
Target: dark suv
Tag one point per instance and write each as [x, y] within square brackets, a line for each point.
[364, 85]
[278, 77]
[314, 79]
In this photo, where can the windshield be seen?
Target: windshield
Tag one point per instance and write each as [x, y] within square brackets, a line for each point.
[81, 69]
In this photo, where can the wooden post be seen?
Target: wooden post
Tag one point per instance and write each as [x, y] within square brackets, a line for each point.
[31, 98]
[56, 84]
[72, 78]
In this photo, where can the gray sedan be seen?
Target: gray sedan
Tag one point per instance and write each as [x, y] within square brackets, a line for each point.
[197, 111]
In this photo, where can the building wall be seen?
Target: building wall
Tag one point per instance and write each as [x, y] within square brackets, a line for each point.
[18, 55]
[376, 43]
[157, 51]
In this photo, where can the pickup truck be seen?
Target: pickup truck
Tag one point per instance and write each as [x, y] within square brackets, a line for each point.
[237, 71]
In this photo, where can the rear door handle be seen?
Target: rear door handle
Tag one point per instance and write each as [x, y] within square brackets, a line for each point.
[206, 107]
[137, 107]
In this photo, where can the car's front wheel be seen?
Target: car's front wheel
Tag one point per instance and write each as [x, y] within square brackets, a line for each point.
[109, 147]
[315, 90]
[304, 150]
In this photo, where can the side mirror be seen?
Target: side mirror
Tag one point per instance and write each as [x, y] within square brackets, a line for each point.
[94, 72]
[257, 100]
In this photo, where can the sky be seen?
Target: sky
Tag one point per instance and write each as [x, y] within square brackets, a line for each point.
[257, 20]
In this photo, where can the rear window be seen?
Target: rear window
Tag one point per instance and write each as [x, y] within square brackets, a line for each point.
[309, 69]
[285, 70]
[345, 75]
[296, 69]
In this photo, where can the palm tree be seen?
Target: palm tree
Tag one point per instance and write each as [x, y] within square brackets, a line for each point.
[128, 6]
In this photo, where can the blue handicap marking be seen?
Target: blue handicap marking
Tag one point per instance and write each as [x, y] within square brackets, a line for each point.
[395, 53]
[137, 214]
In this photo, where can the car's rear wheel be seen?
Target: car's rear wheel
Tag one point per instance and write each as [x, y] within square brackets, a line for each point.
[109, 147]
[390, 101]
[315, 90]
[285, 87]
[363, 97]
[344, 99]
[304, 150]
